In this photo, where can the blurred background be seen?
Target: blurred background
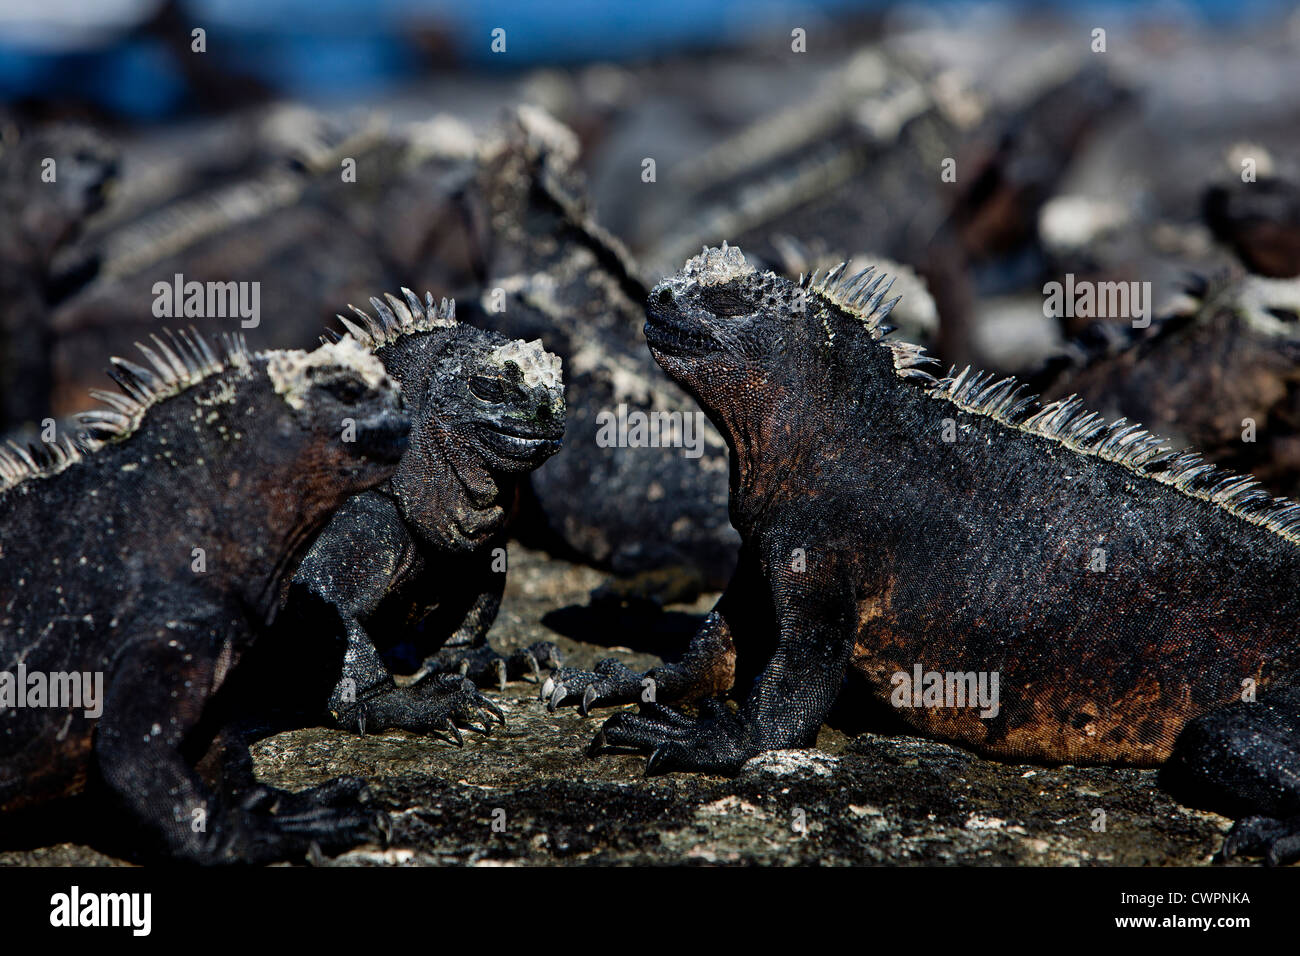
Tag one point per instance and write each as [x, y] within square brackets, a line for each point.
[980, 150]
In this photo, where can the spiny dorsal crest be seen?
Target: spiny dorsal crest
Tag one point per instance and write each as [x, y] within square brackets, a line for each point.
[184, 359]
[1131, 446]
[861, 295]
[717, 266]
[176, 361]
[539, 367]
[1066, 421]
[396, 318]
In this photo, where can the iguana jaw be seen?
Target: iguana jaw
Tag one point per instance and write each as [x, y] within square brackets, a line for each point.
[524, 448]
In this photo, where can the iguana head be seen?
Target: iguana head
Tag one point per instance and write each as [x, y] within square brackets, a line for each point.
[484, 408]
[490, 410]
[738, 339]
[498, 400]
[470, 390]
[351, 425]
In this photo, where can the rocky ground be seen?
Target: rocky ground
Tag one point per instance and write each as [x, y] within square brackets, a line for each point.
[527, 794]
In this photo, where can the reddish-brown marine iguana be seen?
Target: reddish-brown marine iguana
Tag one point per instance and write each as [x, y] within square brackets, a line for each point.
[1131, 601]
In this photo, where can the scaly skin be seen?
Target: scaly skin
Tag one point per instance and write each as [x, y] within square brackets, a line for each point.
[242, 458]
[872, 545]
[421, 559]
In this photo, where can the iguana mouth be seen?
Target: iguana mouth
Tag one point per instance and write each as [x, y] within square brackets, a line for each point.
[671, 338]
[511, 441]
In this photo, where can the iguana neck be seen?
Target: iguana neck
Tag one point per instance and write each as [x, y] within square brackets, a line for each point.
[461, 506]
[774, 461]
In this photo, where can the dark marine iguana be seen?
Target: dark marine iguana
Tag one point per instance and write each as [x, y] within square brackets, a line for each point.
[146, 552]
[422, 557]
[51, 179]
[1219, 372]
[1129, 598]
[551, 271]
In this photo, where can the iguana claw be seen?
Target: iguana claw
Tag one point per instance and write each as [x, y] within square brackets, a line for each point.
[486, 668]
[713, 742]
[449, 726]
[610, 683]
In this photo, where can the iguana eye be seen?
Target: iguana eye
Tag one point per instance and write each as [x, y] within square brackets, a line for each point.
[346, 390]
[487, 389]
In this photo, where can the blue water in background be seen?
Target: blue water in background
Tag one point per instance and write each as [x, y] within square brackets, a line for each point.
[320, 49]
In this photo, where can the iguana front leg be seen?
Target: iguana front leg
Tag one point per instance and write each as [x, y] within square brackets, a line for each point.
[1244, 759]
[787, 704]
[153, 700]
[467, 652]
[367, 698]
[362, 555]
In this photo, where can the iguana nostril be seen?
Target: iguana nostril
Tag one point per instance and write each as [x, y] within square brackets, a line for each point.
[544, 413]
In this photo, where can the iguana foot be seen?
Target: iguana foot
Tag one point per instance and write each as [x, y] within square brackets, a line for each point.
[1277, 841]
[486, 668]
[529, 661]
[612, 683]
[272, 824]
[706, 670]
[437, 703]
[714, 742]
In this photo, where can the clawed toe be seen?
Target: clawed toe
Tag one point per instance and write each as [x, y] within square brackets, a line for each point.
[528, 662]
[486, 668]
[611, 683]
[673, 741]
[439, 703]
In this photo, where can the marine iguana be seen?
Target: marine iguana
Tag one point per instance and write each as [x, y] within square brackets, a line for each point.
[1128, 598]
[551, 271]
[1219, 372]
[51, 179]
[422, 557]
[326, 211]
[146, 552]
